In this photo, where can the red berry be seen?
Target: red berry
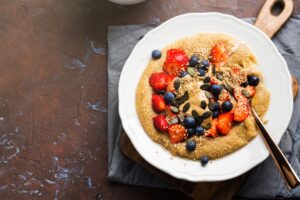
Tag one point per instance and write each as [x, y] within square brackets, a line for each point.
[176, 61]
[241, 110]
[177, 133]
[225, 123]
[158, 103]
[219, 53]
[158, 81]
[160, 123]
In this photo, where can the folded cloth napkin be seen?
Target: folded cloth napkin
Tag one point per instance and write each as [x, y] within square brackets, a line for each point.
[264, 181]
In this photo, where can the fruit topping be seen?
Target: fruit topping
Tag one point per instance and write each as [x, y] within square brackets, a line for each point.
[212, 132]
[241, 110]
[213, 106]
[253, 80]
[199, 130]
[168, 97]
[225, 123]
[204, 64]
[219, 53]
[158, 103]
[201, 72]
[190, 132]
[204, 160]
[158, 81]
[191, 145]
[189, 122]
[177, 133]
[160, 123]
[227, 106]
[156, 54]
[176, 61]
[216, 89]
[194, 61]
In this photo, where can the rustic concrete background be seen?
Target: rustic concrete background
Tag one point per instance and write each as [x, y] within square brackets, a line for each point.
[53, 93]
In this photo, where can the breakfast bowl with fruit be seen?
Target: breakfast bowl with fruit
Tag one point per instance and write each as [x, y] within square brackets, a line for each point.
[187, 109]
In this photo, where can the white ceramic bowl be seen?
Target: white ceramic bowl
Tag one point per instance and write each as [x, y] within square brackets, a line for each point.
[276, 77]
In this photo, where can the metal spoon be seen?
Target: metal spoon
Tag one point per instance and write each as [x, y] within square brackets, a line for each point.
[280, 160]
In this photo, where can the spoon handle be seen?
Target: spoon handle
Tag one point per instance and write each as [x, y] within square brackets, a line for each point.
[281, 162]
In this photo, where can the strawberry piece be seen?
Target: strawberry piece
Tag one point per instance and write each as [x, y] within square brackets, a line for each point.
[213, 81]
[219, 53]
[158, 81]
[176, 61]
[251, 90]
[158, 103]
[170, 83]
[241, 110]
[225, 123]
[160, 123]
[177, 133]
[212, 132]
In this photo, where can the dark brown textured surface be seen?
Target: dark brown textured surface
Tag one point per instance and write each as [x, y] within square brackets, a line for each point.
[53, 93]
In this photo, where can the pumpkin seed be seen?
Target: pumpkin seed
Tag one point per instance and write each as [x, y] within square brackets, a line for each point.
[195, 114]
[191, 71]
[203, 104]
[228, 87]
[174, 120]
[219, 76]
[205, 86]
[177, 83]
[174, 109]
[175, 103]
[206, 114]
[186, 107]
[246, 93]
[213, 70]
[208, 95]
[199, 120]
[180, 117]
[207, 79]
[185, 96]
[207, 126]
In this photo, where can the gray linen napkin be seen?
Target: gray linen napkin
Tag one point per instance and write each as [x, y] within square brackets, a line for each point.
[264, 181]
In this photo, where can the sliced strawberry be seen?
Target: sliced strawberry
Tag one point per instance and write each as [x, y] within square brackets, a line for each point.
[177, 133]
[213, 81]
[212, 132]
[219, 53]
[251, 90]
[176, 61]
[158, 103]
[241, 110]
[158, 81]
[170, 83]
[225, 123]
[160, 123]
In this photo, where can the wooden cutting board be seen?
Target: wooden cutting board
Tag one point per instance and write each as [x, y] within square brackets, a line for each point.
[268, 23]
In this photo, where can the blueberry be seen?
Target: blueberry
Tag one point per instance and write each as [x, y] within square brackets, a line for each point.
[191, 145]
[215, 114]
[156, 54]
[204, 160]
[194, 61]
[169, 96]
[245, 84]
[204, 64]
[199, 130]
[253, 80]
[213, 106]
[216, 89]
[183, 74]
[201, 72]
[203, 104]
[189, 122]
[190, 132]
[227, 106]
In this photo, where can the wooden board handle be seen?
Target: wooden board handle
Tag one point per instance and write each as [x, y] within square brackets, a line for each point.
[269, 22]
